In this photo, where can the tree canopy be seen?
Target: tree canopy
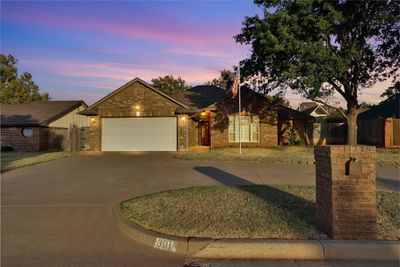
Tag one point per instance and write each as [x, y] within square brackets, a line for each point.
[14, 88]
[392, 90]
[170, 84]
[279, 99]
[225, 79]
[318, 48]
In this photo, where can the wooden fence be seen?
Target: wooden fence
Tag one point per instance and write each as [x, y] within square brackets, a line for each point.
[379, 132]
[69, 139]
[395, 140]
[327, 134]
[371, 132]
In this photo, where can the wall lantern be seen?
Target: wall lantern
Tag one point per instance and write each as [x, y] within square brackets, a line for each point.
[137, 107]
[183, 119]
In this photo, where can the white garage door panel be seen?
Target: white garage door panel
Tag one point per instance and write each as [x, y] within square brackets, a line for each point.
[139, 134]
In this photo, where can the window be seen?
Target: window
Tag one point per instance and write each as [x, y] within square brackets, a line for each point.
[26, 132]
[249, 127]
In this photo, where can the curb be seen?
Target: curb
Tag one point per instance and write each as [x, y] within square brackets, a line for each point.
[260, 248]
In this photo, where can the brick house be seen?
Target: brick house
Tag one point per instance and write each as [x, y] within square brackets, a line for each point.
[40, 125]
[138, 117]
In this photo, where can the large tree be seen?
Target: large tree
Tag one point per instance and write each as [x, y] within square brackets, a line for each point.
[170, 84]
[392, 90]
[320, 47]
[14, 88]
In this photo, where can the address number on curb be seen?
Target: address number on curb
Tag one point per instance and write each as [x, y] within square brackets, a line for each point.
[165, 244]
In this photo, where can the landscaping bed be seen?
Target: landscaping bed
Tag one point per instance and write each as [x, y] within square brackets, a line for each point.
[253, 211]
[386, 157]
[13, 160]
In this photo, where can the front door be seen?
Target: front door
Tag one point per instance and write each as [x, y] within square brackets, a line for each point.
[204, 133]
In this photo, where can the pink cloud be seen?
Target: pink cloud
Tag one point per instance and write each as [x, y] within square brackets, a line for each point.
[176, 31]
[231, 54]
[122, 72]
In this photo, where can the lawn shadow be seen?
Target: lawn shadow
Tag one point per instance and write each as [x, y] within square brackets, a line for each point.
[393, 185]
[8, 157]
[298, 213]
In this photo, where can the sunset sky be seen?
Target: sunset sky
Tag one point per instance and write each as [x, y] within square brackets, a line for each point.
[84, 50]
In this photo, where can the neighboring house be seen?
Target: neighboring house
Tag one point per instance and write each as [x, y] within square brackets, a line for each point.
[380, 125]
[40, 125]
[138, 117]
[314, 109]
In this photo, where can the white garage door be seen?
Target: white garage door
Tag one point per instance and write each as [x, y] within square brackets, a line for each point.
[139, 134]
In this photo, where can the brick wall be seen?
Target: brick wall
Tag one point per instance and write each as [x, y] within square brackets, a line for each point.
[183, 132]
[123, 104]
[346, 192]
[12, 137]
[193, 133]
[253, 104]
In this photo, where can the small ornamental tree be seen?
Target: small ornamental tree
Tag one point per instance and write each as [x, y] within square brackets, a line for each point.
[318, 48]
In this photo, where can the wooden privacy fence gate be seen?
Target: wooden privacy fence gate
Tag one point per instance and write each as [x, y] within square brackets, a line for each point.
[73, 138]
[379, 132]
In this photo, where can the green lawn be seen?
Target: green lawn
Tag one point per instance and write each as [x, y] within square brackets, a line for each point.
[253, 211]
[282, 154]
[13, 160]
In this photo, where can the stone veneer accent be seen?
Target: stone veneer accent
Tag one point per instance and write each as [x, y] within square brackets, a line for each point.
[346, 191]
[12, 137]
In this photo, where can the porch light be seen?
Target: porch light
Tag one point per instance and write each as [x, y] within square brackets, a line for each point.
[183, 119]
[137, 107]
[92, 119]
[203, 113]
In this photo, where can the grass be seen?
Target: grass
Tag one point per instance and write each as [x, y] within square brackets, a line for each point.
[14, 160]
[282, 154]
[252, 211]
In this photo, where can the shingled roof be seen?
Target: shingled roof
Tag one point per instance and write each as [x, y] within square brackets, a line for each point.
[199, 97]
[387, 109]
[286, 113]
[39, 113]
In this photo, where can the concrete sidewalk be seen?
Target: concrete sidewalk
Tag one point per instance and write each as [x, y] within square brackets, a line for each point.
[270, 249]
[285, 263]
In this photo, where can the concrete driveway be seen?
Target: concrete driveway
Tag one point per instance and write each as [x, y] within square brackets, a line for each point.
[59, 212]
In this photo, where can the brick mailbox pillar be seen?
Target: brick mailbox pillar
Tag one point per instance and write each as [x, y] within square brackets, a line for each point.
[346, 191]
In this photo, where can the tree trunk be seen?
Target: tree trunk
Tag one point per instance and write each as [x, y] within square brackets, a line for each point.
[352, 126]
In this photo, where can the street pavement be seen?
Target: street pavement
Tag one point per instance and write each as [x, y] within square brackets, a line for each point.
[59, 213]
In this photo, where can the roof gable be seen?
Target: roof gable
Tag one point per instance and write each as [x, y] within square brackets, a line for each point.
[138, 80]
[320, 111]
